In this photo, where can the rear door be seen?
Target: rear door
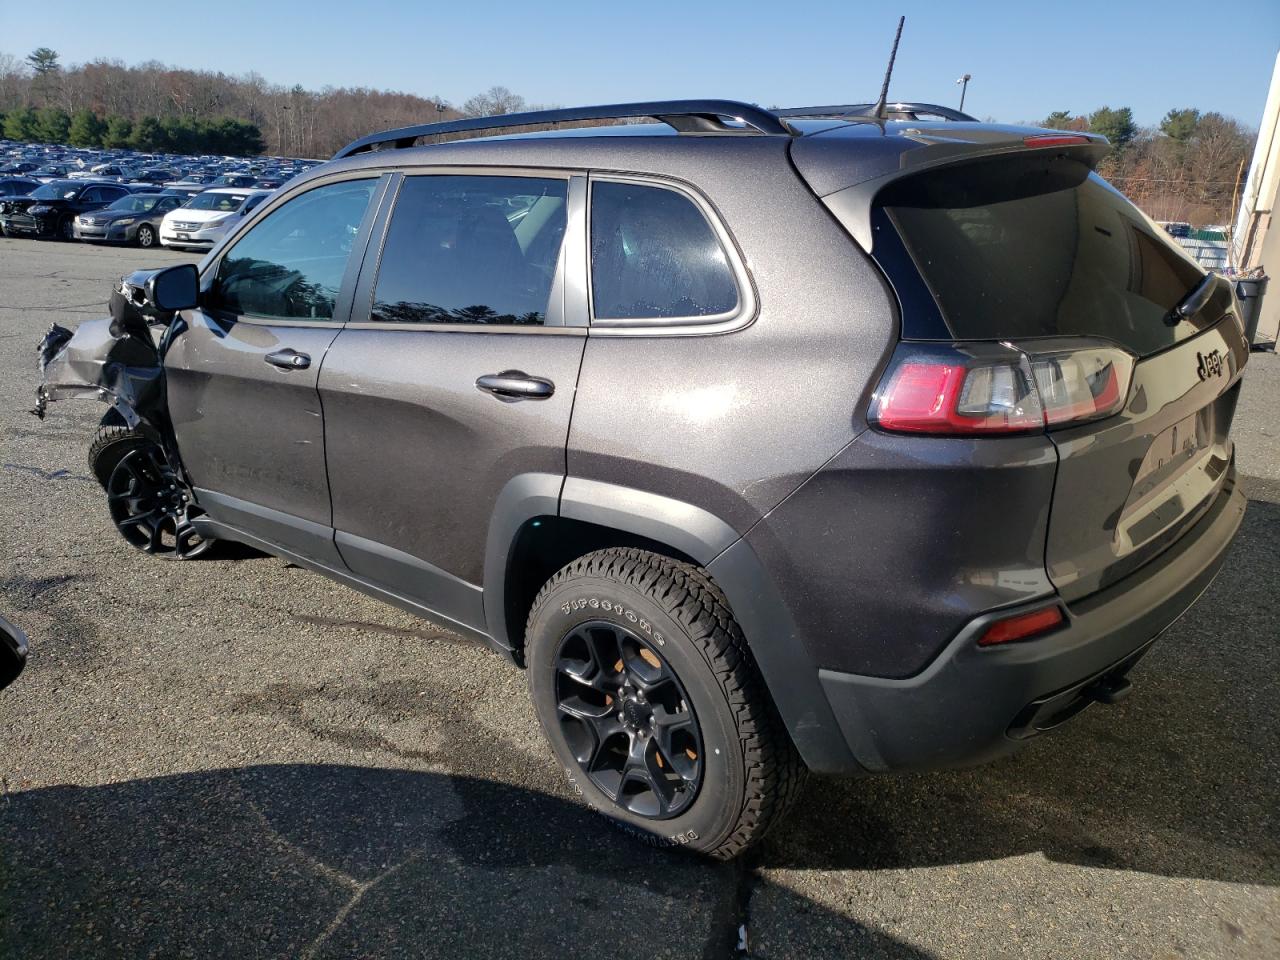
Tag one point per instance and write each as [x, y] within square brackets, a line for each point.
[242, 374]
[1035, 250]
[456, 375]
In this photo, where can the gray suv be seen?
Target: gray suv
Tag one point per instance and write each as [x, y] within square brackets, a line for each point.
[821, 439]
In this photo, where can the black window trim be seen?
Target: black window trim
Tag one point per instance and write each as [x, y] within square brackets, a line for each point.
[568, 288]
[741, 316]
[342, 304]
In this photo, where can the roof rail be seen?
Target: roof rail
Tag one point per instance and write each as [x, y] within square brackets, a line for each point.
[902, 110]
[686, 116]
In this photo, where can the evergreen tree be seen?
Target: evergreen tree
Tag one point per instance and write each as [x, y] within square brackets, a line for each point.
[86, 129]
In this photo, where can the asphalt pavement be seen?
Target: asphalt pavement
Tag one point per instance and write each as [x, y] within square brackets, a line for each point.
[238, 758]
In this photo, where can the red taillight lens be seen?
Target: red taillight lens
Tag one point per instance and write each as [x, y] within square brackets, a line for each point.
[1022, 627]
[969, 389]
[928, 395]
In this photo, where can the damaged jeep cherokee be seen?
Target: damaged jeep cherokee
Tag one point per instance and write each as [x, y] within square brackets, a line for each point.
[766, 441]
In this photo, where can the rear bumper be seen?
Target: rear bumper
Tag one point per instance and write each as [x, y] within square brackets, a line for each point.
[972, 704]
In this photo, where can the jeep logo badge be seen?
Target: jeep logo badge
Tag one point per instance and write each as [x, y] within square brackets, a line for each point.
[1210, 364]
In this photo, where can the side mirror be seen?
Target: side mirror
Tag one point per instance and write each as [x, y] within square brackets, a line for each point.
[13, 652]
[174, 288]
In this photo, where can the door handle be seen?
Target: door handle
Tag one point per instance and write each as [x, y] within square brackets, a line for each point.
[288, 359]
[513, 385]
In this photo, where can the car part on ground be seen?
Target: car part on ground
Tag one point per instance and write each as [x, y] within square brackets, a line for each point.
[13, 652]
[837, 429]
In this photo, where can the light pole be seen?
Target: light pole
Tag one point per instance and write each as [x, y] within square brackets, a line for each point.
[964, 87]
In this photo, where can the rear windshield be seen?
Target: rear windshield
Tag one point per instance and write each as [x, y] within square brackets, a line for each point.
[1033, 248]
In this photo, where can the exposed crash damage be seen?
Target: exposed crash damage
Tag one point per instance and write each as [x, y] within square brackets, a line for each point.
[117, 360]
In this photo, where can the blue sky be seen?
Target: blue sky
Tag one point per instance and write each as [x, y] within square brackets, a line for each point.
[1027, 58]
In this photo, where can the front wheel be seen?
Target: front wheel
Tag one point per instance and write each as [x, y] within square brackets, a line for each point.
[148, 502]
[146, 236]
[66, 229]
[654, 707]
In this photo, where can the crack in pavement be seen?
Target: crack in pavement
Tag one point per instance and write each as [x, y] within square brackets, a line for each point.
[358, 888]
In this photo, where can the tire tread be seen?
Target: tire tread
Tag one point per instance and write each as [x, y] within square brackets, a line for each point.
[775, 773]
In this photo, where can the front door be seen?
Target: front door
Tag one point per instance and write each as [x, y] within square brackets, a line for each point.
[242, 375]
[456, 375]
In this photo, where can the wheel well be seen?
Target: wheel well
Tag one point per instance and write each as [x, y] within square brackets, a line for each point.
[543, 546]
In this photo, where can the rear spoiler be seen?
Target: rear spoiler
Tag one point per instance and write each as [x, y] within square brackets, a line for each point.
[942, 146]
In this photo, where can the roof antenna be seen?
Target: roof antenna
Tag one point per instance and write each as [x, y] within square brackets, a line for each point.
[880, 112]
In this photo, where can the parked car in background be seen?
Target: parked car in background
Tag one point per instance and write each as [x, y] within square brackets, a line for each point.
[234, 180]
[17, 167]
[50, 210]
[202, 221]
[131, 219]
[157, 176]
[51, 171]
[17, 186]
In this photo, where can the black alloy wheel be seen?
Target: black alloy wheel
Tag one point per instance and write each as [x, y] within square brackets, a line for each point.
[628, 720]
[151, 506]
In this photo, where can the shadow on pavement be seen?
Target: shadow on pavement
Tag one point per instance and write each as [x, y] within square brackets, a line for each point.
[337, 861]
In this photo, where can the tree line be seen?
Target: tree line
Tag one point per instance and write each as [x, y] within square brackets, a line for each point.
[84, 128]
[165, 108]
[1189, 167]
[1186, 168]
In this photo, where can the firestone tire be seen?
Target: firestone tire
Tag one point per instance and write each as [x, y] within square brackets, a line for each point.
[750, 771]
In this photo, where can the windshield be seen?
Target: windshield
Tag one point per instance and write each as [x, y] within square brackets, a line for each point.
[1036, 248]
[135, 204]
[57, 190]
[223, 202]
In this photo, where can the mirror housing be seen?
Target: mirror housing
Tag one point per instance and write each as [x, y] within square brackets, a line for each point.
[172, 289]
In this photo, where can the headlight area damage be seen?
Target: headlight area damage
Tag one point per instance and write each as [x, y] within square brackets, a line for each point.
[117, 360]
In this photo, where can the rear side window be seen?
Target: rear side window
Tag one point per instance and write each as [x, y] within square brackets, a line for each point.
[465, 249]
[655, 256]
[1033, 248]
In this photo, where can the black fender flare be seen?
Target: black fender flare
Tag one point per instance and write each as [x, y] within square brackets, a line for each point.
[788, 670]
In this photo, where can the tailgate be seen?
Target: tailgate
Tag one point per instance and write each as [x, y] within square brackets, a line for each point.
[1130, 485]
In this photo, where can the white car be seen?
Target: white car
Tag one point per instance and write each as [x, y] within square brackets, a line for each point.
[202, 220]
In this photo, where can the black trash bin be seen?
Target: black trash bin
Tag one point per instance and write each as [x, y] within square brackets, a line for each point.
[1249, 293]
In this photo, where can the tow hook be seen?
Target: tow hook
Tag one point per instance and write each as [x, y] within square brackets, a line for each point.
[1109, 690]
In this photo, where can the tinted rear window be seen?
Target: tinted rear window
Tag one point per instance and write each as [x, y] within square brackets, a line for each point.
[1031, 248]
[655, 256]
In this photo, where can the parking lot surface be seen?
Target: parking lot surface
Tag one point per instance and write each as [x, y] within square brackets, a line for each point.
[239, 758]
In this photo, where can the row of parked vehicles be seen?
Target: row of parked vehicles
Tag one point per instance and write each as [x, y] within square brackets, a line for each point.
[65, 193]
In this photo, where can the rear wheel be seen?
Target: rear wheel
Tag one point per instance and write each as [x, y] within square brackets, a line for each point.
[146, 236]
[653, 705]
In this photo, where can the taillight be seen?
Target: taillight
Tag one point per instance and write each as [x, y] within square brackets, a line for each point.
[984, 388]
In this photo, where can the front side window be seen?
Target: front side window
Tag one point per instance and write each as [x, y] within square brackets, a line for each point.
[467, 249]
[655, 256]
[290, 265]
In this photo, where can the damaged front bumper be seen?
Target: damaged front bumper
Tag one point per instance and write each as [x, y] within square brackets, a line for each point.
[114, 360]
